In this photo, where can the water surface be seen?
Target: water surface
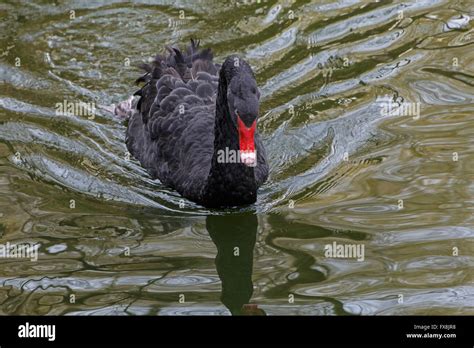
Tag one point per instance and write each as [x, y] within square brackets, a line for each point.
[342, 170]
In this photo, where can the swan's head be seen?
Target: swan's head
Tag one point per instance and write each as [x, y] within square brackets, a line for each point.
[243, 105]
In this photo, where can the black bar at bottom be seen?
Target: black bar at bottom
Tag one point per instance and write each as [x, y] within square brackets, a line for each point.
[413, 330]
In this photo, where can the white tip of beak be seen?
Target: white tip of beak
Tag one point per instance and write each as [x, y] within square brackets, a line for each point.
[249, 158]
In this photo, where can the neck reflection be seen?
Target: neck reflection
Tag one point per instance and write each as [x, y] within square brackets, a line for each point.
[234, 236]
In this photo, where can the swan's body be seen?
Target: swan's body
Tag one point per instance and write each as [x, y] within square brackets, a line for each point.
[183, 119]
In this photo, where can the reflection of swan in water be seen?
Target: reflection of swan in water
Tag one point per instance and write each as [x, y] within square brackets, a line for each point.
[234, 236]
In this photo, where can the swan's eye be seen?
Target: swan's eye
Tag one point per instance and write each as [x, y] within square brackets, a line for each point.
[253, 90]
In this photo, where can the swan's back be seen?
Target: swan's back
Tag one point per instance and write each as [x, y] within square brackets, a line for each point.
[171, 131]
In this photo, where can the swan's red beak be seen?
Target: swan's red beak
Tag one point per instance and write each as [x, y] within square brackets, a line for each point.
[248, 155]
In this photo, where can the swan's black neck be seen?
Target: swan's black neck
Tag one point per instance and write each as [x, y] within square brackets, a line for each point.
[229, 184]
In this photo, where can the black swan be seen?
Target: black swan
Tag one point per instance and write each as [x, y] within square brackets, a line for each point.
[194, 127]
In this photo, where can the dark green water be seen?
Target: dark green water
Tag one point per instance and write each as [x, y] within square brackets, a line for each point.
[400, 185]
